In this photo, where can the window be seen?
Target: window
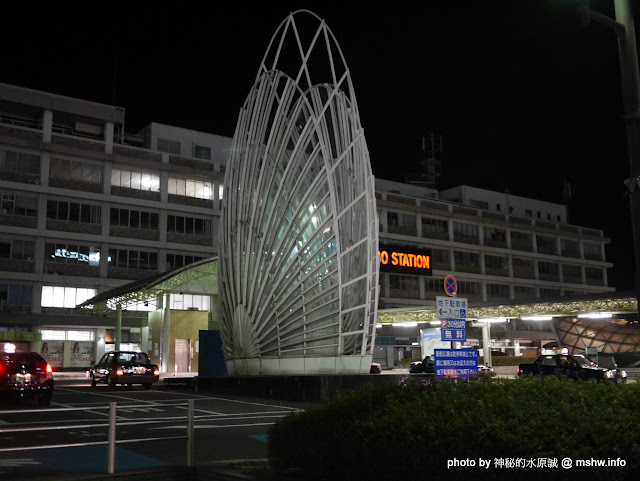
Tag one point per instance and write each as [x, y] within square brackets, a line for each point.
[521, 241]
[593, 274]
[60, 335]
[572, 274]
[18, 205]
[73, 212]
[190, 188]
[496, 263]
[188, 225]
[434, 285]
[69, 297]
[400, 223]
[469, 288]
[497, 290]
[220, 191]
[528, 212]
[133, 259]
[135, 180]
[133, 219]
[467, 258]
[201, 152]
[465, 232]
[16, 294]
[524, 292]
[440, 259]
[495, 237]
[188, 301]
[592, 251]
[170, 146]
[406, 286]
[17, 249]
[547, 292]
[175, 261]
[545, 244]
[435, 228]
[75, 170]
[64, 253]
[19, 162]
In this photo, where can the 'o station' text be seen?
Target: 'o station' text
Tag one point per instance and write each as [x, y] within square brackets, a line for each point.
[405, 259]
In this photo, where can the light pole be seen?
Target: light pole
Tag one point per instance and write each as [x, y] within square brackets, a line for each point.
[624, 27]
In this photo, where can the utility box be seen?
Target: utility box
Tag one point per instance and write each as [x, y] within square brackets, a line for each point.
[211, 362]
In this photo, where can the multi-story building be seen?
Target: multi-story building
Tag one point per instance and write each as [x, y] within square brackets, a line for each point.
[86, 206]
[498, 246]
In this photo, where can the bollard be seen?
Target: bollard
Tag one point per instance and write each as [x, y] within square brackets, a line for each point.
[112, 439]
[190, 404]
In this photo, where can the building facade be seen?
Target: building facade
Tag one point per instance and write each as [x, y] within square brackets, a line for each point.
[85, 207]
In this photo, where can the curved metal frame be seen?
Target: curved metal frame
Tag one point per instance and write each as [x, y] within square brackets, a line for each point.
[299, 228]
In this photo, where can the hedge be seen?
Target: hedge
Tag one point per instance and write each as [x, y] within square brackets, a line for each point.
[411, 431]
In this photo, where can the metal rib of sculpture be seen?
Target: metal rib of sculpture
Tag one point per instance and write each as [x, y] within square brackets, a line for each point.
[299, 229]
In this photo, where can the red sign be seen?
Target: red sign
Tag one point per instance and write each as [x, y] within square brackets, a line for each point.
[450, 285]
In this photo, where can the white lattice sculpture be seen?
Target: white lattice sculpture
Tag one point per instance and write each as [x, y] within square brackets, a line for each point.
[299, 230]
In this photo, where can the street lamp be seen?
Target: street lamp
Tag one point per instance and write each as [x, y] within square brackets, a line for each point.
[624, 27]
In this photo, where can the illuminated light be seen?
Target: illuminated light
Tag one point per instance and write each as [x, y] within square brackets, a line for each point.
[49, 368]
[595, 315]
[9, 347]
[404, 324]
[119, 372]
[378, 326]
[536, 318]
[415, 344]
[435, 323]
[494, 320]
[156, 372]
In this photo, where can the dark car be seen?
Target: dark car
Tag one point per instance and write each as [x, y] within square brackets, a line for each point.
[426, 366]
[124, 367]
[376, 368]
[572, 366]
[25, 375]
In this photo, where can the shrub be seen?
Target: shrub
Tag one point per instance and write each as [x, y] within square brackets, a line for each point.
[387, 432]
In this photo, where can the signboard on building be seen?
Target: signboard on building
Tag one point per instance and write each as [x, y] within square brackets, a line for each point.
[405, 260]
[456, 362]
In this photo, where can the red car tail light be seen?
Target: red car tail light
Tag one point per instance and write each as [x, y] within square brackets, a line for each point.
[156, 372]
[119, 371]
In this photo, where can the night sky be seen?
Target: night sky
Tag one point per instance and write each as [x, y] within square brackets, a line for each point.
[524, 97]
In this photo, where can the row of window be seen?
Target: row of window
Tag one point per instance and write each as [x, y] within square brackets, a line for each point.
[75, 170]
[67, 253]
[19, 162]
[470, 233]
[70, 297]
[410, 287]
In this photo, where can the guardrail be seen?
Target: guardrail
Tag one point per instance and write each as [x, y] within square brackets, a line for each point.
[111, 425]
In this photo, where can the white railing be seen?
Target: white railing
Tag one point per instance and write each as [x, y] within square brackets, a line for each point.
[111, 425]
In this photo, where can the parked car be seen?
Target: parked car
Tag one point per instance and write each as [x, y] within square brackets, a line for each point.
[376, 368]
[124, 367]
[25, 375]
[484, 370]
[573, 366]
[426, 366]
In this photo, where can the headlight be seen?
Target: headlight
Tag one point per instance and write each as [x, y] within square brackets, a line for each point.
[623, 373]
[610, 374]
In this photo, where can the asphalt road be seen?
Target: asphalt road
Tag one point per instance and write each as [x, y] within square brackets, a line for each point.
[226, 428]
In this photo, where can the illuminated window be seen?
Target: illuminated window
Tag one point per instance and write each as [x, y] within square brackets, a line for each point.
[189, 301]
[135, 180]
[190, 188]
[69, 297]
